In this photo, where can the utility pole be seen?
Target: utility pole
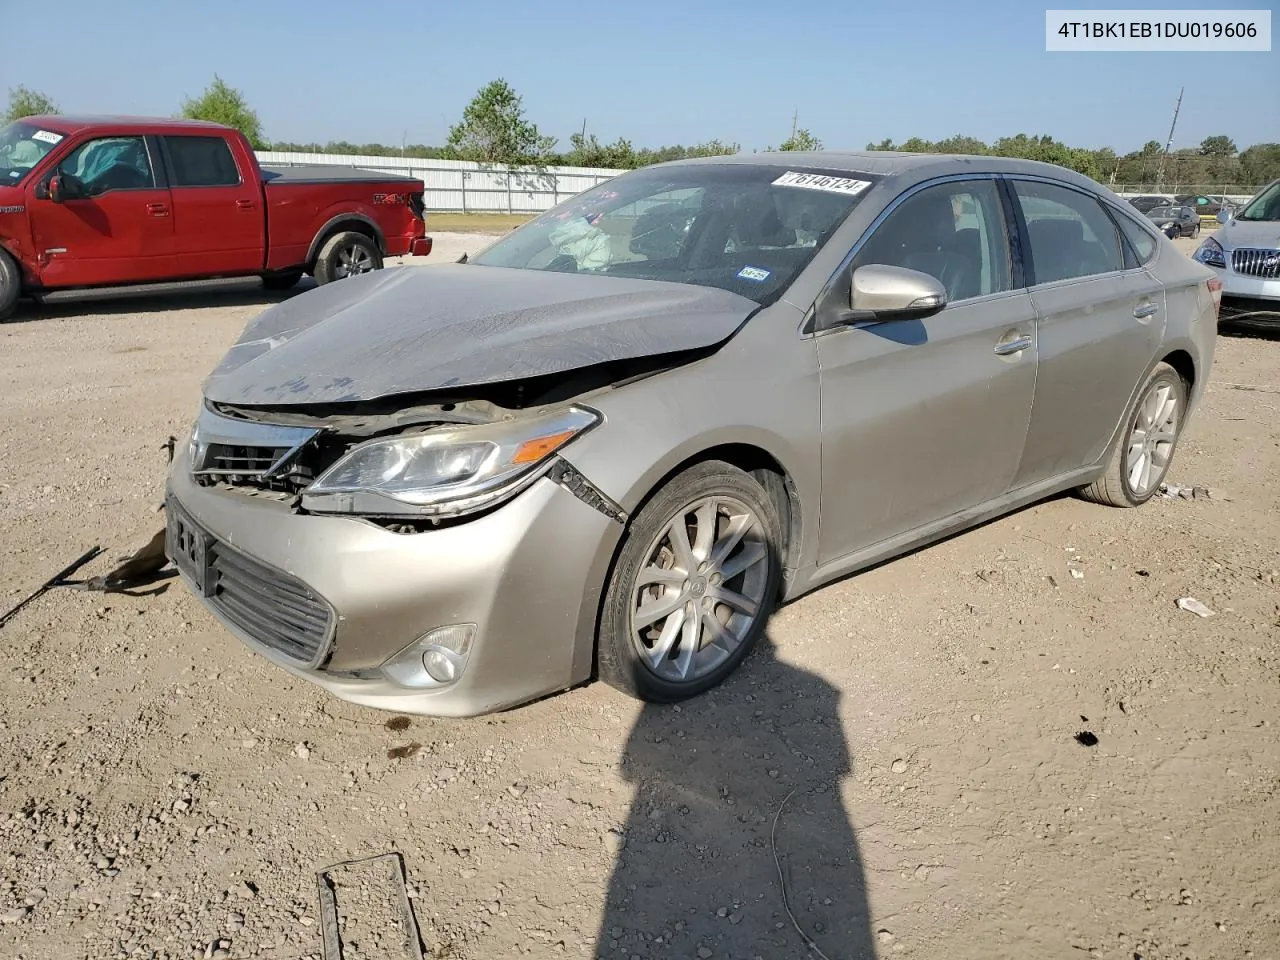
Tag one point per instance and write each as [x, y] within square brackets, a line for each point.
[1169, 143]
[795, 117]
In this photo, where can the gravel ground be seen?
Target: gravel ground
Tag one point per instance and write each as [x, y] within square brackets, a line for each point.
[904, 749]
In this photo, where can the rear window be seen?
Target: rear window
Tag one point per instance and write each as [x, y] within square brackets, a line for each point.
[201, 162]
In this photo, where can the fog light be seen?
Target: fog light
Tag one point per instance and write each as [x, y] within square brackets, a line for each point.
[435, 658]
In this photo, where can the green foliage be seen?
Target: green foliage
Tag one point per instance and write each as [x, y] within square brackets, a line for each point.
[587, 151]
[226, 105]
[493, 129]
[1214, 161]
[25, 102]
[800, 140]
[1217, 146]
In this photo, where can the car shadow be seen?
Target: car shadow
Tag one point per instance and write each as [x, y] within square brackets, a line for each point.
[248, 292]
[1243, 329]
[736, 790]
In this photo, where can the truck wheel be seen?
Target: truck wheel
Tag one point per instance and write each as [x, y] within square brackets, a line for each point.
[282, 280]
[10, 284]
[346, 255]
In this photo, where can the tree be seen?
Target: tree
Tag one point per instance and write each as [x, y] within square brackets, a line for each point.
[802, 139]
[1217, 147]
[226, 105]
[24, 102]
[493, 129]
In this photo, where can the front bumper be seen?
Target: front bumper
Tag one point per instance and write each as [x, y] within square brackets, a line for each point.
[421, 247]
[528, 575]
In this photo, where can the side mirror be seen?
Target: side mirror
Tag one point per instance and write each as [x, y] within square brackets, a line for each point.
[1224, 215]
[56, 192]
[880, 293]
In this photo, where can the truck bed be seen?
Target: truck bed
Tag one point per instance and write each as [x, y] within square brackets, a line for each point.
[326, 173]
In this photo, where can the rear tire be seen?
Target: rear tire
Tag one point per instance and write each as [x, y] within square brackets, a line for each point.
[10, 285]
[346, 254]
[1144, 451]
[694, 583]
[283, 280]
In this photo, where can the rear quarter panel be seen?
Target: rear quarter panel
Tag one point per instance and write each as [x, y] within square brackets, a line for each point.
[297, 212]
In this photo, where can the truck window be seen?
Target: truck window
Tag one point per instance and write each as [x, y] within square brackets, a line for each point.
[109, 163]
[201, 162]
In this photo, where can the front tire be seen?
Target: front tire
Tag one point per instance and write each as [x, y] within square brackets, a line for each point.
[346, 254]
[10, 285]
[1142, 455]
[283, 280]
[693, 585]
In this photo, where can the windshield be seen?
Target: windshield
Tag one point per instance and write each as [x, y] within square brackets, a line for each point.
[746, 228]
[1265, 206]
[1163, 212]
[22, 146]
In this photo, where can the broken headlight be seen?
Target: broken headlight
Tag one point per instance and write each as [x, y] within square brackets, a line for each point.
[445, 472]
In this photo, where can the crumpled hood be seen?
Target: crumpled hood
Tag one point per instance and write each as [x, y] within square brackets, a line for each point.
[1250, 233]
[414, 329]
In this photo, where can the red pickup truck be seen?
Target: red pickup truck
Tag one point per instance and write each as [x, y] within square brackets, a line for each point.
[95, 202]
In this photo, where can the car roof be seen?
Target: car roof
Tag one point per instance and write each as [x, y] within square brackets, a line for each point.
[906, 167]
[74, 123]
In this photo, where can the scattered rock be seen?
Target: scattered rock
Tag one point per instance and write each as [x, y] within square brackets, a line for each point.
[1192, 605]
[884, 936]
[899, 766]
[1086, 739]
[302, 751]
[16, 915]
[705, 952]
[1077, 574]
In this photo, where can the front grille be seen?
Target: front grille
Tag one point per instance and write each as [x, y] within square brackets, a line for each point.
[1257, 262]
[237, 461]
[275, 609]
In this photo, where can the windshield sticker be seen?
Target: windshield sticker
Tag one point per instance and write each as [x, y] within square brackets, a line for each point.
[816, 181]
[753, 273]
[47, 136]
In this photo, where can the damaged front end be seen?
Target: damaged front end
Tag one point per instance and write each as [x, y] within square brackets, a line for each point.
[412, 463]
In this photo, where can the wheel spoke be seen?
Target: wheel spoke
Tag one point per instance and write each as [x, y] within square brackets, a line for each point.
[655, 574]
[678, 533]
[717, 633]
[666, 639]
[655, 610]
[705, 533]
[1165, 436]
[1136, 467]
[690, 641]
[750, 554]
[732, 598]
[733, 534]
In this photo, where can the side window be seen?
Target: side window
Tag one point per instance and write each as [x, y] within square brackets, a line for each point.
[201, 162]
[109, 163]
[952, 231]
[1143, 243]
[1071, 235]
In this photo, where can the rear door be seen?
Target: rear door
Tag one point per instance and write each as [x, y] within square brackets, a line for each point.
[1101, 321]
[116, 225]
[218, 216]
[923, 419]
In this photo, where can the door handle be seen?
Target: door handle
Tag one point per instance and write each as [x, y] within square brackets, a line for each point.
[244, 204]
[1144, 310]
[158, 209]
[1013, 346]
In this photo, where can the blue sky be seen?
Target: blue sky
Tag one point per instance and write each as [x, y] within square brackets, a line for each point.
[657, 72]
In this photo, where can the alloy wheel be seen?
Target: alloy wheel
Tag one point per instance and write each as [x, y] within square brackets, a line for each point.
[352, 260]
[1152, 438]
[700, 589]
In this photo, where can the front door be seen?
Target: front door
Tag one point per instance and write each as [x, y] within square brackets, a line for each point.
[115, 224]
[1100, 326]
[219, 220]
[923, 419]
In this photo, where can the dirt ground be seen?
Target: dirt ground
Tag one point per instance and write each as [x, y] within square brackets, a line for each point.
[904, 751]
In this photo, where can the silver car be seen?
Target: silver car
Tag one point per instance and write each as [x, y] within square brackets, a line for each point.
[614, 441]
[1245, 253]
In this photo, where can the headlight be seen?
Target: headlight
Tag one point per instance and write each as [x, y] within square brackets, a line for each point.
[1210, 253]
[445, 472]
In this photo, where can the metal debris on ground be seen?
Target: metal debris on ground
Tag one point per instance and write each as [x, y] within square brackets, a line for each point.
[1192, 605]
[1170, 491]
[347, 885]
[59, 579]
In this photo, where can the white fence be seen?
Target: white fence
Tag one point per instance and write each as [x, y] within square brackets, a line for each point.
[459, 185]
